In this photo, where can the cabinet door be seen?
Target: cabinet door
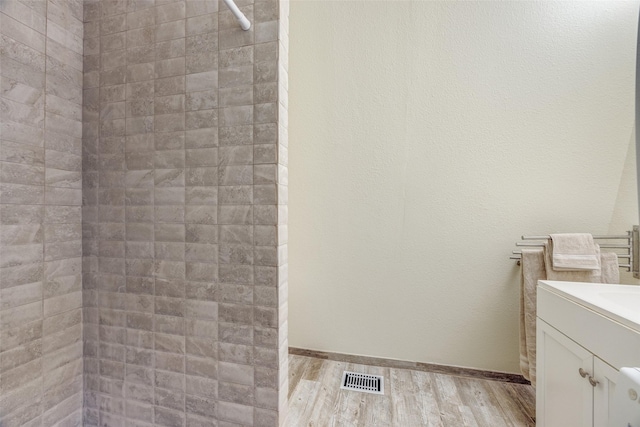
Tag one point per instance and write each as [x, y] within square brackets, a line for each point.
[563, 397]
[603, 392]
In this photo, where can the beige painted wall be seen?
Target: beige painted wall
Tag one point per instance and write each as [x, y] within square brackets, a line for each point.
[426, 138]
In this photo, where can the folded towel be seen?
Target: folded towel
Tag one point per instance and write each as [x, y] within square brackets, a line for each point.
[610, 272]
[532, 270]
[590, 276]
[574, 252]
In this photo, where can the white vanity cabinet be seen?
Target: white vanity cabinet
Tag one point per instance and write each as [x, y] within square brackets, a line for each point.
[574, 387]
[580, 347]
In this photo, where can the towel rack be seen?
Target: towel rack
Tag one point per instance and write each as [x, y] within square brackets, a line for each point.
[626, 246]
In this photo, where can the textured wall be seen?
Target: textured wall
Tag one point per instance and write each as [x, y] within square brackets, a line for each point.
[423, 152]
[40, 212]
[180, 215]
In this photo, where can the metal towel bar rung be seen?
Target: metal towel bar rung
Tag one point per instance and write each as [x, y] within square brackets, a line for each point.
[628, 250]
[595, 236]
[540, 244]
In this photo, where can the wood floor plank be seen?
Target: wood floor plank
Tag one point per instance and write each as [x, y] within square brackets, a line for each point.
[312, 371]
[302, 402]
[376, 412]
[297, 366]
[330, 374]
[404, 403]
[526, 397]
[477, 396]
[468, 419]
[512, 408]
[452, 410]
[424, 383]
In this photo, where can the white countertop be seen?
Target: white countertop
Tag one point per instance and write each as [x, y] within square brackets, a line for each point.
[617, 302]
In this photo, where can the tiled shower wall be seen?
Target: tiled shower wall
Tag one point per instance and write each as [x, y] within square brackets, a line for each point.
[184, 222]
[40, 212]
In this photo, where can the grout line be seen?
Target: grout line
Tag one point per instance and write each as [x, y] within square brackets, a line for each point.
[184, 219]
[218, 109]
[44, 184]
[98, 393]
[124, 225]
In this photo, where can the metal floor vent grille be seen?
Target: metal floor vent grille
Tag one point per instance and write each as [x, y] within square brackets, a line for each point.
[362, 382]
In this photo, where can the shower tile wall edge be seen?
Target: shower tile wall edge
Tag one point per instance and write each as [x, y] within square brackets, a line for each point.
[40, 213]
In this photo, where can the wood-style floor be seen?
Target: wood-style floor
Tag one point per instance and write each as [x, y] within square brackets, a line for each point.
[411, 398]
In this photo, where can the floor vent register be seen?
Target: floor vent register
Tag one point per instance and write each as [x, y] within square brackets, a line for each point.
[362, 382]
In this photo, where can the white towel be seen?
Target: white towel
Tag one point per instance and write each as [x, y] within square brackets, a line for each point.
[590, 276]
[609, 267]
[574, 252]
[532, 270]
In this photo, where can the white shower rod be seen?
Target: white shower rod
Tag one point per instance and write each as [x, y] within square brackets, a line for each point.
[245, 24]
